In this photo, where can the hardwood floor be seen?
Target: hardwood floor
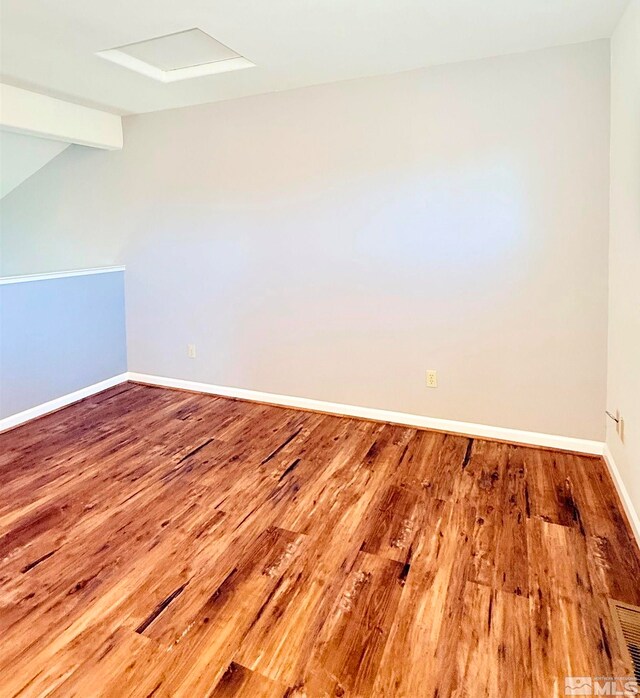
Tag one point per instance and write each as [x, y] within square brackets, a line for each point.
[163, 543]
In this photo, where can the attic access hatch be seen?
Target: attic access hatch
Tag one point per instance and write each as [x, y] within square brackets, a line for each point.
[180, 56]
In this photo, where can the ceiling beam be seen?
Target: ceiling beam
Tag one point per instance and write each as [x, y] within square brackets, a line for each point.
[33, 114]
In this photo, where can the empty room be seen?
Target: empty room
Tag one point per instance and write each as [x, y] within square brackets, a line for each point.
[319, 348]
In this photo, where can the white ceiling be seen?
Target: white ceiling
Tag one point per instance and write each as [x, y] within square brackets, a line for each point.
[49, 45]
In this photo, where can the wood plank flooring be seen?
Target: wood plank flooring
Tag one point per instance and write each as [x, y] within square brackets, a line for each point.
[164, 543]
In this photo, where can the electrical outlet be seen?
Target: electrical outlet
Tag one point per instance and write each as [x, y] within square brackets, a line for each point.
[432, 379]
[191, 351]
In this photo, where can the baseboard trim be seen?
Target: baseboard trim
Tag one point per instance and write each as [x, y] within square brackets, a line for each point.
[484, 431]
[39, 410]
[623, 493]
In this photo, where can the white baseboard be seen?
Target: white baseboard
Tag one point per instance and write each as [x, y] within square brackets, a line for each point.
[15, 419]
[623, 493]
[467, 428]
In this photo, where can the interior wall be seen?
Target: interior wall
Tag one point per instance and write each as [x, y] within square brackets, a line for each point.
[58, 336]
[623, 394]
[335, 242]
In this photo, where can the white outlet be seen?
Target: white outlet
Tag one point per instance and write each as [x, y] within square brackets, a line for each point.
[191, 351]
[432, 379]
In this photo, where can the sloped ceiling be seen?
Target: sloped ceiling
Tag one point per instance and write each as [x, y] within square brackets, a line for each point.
[21, 156]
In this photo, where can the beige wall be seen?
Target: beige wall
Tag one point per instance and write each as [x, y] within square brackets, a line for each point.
[334, 242]
[623, 393]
